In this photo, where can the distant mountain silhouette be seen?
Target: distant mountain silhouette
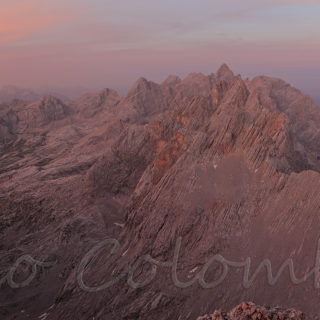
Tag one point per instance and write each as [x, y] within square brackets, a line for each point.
[9, 93]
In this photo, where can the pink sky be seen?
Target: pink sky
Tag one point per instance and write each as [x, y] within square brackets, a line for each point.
[99, 43]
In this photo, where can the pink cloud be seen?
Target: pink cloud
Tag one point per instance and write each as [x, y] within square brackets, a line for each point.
[99, 43]
[20, 19]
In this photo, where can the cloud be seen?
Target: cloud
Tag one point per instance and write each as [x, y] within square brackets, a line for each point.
[21, 19]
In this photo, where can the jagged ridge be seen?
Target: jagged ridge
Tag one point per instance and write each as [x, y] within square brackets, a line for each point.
[230, 165]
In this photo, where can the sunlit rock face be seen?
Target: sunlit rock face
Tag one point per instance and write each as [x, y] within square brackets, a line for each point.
[211, 166]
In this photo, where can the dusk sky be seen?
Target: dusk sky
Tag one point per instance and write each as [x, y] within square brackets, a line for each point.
[101, 43]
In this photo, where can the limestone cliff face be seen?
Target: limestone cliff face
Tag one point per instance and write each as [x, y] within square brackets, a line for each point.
[229, 165]
[20, 117]
[94, 105]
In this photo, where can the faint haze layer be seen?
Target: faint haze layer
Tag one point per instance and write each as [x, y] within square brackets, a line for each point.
[100, 43]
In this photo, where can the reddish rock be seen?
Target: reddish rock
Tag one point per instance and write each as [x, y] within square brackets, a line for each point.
[250, 311]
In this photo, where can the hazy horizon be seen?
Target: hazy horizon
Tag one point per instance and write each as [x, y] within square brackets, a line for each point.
[97, 44]
[73, 92]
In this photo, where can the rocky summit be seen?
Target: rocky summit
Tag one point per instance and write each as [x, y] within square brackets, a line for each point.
[176, 200]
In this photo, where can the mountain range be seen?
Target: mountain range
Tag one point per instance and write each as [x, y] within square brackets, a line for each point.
[189, 177]
[66, 94]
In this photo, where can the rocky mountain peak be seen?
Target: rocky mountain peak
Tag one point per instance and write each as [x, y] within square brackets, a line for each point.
[224, 73]
[109, 92]
[47, 100]
[141, 85]
[145, 97]
[52, 109]
[91, 105]
[171, 81]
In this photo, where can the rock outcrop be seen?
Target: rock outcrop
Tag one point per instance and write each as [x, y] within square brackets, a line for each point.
[248, 311]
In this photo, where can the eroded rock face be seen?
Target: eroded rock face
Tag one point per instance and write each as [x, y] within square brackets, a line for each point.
[93, 105]
[229, 166]
[18, 117]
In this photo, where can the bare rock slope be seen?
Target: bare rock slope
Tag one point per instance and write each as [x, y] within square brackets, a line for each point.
[208, 175]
